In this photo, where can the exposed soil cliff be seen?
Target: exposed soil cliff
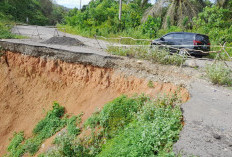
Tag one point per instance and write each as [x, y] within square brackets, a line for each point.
[29, 85]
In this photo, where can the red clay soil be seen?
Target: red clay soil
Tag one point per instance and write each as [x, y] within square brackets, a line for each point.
[29, 85]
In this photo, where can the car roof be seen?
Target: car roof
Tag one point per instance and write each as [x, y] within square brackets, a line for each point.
[184, 33]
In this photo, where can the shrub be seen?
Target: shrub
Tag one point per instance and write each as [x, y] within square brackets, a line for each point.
[67, 145]
[14, 146]
[72, 125]
[152, 133]
[116, 114]
[5, 31]
[51, 123]
[47, 127]
[139, 126]
[219, 73]
[150, 84]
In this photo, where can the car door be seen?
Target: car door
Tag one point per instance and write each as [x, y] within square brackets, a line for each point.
[178, 40]
[188, 40]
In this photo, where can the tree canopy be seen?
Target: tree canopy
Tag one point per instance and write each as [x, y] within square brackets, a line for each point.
[40, 12]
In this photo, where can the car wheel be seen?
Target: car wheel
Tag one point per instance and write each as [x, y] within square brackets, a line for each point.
[183, 52]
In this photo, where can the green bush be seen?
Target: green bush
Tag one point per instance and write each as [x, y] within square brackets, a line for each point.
[47, 127]
[116, 114]
[72, 125]
[14, 146]
[5, 31]
[51, 123]
[67, 145]
[151, 26]
[219, 73]
[152, 133]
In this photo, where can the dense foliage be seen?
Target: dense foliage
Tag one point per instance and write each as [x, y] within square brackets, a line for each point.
[136, 126]
[36, 12]
[101, 17]
[39, 12]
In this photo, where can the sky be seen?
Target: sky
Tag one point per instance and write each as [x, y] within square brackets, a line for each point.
[76, 3]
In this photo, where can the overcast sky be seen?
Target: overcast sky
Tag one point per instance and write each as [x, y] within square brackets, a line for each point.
[76, 3]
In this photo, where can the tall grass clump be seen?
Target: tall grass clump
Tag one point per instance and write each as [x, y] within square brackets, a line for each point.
[219, 74]
[156, 55]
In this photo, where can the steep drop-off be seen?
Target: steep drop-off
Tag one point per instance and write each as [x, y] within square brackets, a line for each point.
[29, 85]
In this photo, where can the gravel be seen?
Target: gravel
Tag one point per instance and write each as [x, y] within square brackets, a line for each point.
[64, 41]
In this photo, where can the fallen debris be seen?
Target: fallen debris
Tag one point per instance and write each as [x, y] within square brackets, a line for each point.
[64, 41]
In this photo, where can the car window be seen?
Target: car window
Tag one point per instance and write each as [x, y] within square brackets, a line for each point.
[202, 38]
[169, 36]
[188, 36]
[178, 36]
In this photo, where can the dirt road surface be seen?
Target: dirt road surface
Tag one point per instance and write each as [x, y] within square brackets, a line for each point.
[208, 114]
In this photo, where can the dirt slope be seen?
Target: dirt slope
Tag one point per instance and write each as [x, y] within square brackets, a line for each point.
[29, 85]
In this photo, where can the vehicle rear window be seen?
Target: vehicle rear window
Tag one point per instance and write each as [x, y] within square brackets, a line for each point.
[202, 38]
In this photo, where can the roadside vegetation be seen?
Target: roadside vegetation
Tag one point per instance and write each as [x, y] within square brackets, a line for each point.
[38, 12]
[155, 54]
[219, 74]
[5, 27]
[142, 20]
[136, 126]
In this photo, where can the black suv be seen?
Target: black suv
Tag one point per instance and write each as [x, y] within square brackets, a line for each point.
[182, 42]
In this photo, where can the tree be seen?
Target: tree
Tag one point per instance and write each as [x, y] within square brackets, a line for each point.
[174, 12]
[222, 3]
[46, 7]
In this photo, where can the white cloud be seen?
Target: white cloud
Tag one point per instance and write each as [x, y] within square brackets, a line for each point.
[72, 3]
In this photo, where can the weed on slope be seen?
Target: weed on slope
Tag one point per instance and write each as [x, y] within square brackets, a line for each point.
[136, 126]
[47, 127]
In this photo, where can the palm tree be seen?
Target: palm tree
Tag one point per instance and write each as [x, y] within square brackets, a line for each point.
[222, 3]
[144, 2]
[174, 11]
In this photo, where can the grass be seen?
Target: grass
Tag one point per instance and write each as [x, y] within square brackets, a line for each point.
[47, 127]
[219, 74]
[155, 55]
[150, 84]
[136, 126]
[5, 30]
